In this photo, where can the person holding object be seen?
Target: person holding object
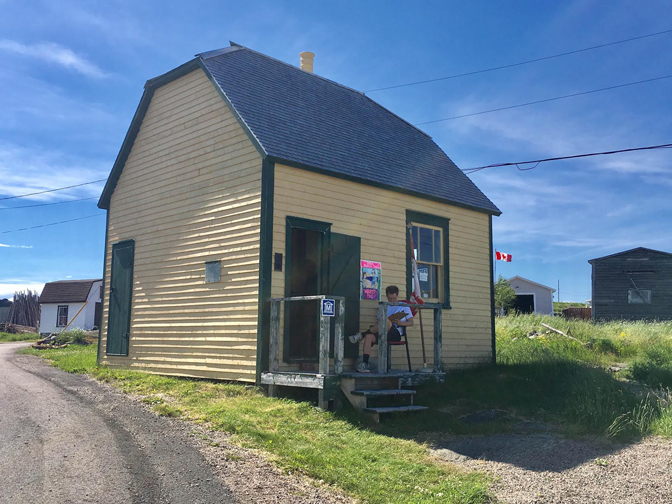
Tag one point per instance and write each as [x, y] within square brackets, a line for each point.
[398, 319]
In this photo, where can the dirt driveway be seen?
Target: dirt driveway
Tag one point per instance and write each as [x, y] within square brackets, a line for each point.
[548, 468]
[69, 439]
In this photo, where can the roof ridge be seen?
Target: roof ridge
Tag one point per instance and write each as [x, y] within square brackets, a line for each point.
[236, 46]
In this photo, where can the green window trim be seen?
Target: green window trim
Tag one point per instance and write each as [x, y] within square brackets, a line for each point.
[435, 221]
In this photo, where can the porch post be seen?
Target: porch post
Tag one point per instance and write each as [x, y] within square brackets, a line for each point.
[274, 344]
[323, 365]
[382, 337]
[438, 339]
[338, 336]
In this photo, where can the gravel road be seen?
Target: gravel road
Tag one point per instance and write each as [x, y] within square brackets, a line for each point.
[66, 438]
[548, 468]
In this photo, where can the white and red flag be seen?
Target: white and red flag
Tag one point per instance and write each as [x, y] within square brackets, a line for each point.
[501, 256]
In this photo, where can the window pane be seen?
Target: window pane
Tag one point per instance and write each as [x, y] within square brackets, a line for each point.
[429, 280]
[639, 296]
[212, 272]
[426, 245]
[414, 233]
[437, 246]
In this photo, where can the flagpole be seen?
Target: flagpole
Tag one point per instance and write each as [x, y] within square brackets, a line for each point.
[415, 279]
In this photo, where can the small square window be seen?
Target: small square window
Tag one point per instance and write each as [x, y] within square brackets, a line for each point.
[212, 271]
[639, 296]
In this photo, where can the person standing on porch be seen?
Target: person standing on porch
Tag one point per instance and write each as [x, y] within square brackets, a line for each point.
[398, 319]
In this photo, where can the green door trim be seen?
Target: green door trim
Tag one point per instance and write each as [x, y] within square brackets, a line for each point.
[323, 282]
[118, 245]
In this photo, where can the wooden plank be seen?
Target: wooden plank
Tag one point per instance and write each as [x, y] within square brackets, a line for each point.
[395, 409]
[339, 344]
[274, 344]
[382, 337]
[288, 379]
[323, 366]
[438, 343]
[383, 392]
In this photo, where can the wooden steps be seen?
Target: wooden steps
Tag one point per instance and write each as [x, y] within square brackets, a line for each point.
[378, 394]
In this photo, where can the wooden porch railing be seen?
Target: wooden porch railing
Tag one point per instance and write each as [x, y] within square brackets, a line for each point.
[382, 332]
[325, 330]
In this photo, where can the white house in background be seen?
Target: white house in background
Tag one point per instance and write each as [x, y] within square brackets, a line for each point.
[61, 301]
[531, 297]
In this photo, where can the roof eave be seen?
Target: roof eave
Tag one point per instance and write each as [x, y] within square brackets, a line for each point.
[360, 180]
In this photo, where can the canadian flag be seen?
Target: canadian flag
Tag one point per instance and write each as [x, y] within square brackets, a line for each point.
[501, 256]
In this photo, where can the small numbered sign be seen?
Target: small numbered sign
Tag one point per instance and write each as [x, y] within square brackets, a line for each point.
[328, 307]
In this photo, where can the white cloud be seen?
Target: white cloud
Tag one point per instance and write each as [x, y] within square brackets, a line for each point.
[54, 53]
[5, 245]
[24, 171]
[8, 287]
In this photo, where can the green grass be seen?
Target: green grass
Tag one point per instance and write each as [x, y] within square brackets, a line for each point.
[6, 337]
[297, 436]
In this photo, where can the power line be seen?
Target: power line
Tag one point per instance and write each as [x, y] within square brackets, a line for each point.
[47, 204]
[519, 63]
[51, 224]
[536, 162]
[52, 190]
[545, 100]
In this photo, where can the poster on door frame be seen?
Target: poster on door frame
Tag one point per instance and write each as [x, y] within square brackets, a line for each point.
[371, 278]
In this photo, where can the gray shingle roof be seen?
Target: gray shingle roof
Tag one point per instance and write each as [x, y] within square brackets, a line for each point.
[66, 291]
[308, 120]
[304, 120]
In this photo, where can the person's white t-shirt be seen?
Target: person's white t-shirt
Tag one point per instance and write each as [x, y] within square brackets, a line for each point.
[396, 309]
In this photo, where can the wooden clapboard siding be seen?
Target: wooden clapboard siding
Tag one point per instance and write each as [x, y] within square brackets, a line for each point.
[190, 192]
[378, 216]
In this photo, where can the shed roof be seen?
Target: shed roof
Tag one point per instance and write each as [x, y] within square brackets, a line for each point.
[625, 252]
[67, 291]
[530, 281]
[301, 119]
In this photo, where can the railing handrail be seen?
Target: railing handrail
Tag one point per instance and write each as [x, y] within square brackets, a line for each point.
[307, 298]
[433, 306]
[324, 333]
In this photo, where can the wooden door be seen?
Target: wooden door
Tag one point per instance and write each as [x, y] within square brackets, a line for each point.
[344, 268]
[121, 287]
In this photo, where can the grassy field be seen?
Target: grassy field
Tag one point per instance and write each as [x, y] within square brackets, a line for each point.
[296, 435]
[6, 337]
[564, 383]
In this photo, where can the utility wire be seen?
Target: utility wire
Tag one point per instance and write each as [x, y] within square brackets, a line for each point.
[536, 162]
[52, 190]
[52, 224]
[47, 204]
[545, 100]
[520, 63]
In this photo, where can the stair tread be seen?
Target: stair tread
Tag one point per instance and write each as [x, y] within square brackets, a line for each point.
[382, 392]
[394, 409]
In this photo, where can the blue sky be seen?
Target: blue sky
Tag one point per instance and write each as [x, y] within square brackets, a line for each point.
[72, 73]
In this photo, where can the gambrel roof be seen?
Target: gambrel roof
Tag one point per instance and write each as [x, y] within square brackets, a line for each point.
[630, 251]
[303, 120]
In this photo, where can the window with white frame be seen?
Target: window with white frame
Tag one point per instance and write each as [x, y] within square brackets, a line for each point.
[62, 316]
[428, 251]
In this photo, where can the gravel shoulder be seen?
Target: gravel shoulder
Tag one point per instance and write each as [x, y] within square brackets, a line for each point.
[548, 468]
[68, 438]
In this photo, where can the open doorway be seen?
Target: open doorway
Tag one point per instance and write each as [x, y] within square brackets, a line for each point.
[524, 304]
[305, 275]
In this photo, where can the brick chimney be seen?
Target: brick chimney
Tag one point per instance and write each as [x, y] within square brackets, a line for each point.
[307, 61]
